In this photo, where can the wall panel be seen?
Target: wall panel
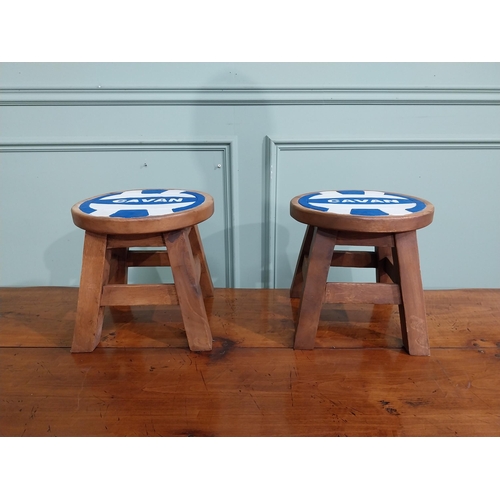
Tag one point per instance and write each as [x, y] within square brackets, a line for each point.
[72, 130]
[40, 182]
[459, 177]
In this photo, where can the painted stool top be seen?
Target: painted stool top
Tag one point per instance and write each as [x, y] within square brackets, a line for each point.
[367, 203]
[362, 210]
[139, 211]
[142, 203]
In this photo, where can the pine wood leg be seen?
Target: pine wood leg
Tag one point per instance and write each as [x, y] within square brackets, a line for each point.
[383, 253]
[118, 272]
[320, 258]
[412, 310]
[188, 290]
[298, 276]
[206, 284]
[118, 275]
[89, 313]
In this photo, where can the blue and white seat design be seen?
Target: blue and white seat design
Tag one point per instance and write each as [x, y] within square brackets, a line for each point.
[362, 203]
[142, 203]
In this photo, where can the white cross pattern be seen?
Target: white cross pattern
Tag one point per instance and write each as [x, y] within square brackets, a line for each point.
[362, 203]
[141, 203]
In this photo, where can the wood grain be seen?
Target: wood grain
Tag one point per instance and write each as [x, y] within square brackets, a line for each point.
[396, 261]
[362, 293]
[189, 293]
[205, 278]
[151, 258]
[412, 308]
[95, 274]
[311, 302]
[45, 316]
[137, 295]
[249, 392]
[357, 382]
[298, 276]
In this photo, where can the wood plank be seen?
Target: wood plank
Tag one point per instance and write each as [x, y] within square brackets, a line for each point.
[320, 257]
[137, 295]
[412, 309]
[389, 271]
[355, 258]
[202, 270]
[188, 288]
[45, 317]
[362, 293]
[365, 239]
[89, 313]
[357, 382]
[146, 240]
[385, 265]
[144, 258]
[249, 392]
[302, 262]
[118, 271]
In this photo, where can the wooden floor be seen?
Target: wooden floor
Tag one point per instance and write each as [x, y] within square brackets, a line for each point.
[143, 381]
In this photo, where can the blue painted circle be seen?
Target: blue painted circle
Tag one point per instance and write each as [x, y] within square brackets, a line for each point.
[142, 203]
[362, 203]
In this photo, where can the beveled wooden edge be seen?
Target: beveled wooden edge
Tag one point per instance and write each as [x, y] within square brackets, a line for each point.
[143, 225]
[360, 223]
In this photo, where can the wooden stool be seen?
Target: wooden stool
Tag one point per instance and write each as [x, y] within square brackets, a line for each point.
[113, 223]
[386, 221]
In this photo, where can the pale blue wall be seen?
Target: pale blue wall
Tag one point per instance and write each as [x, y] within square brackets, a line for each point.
[253, 135]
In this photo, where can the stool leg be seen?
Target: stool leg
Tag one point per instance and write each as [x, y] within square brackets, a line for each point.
[320, 259]
[118, 273]
[89, 312]
[412, 309]
[206, 284]
[188, 290]
[298, 276]
[383, 253]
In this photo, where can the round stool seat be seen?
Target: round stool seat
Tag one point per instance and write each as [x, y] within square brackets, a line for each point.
[142, 211]
[362, 211]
